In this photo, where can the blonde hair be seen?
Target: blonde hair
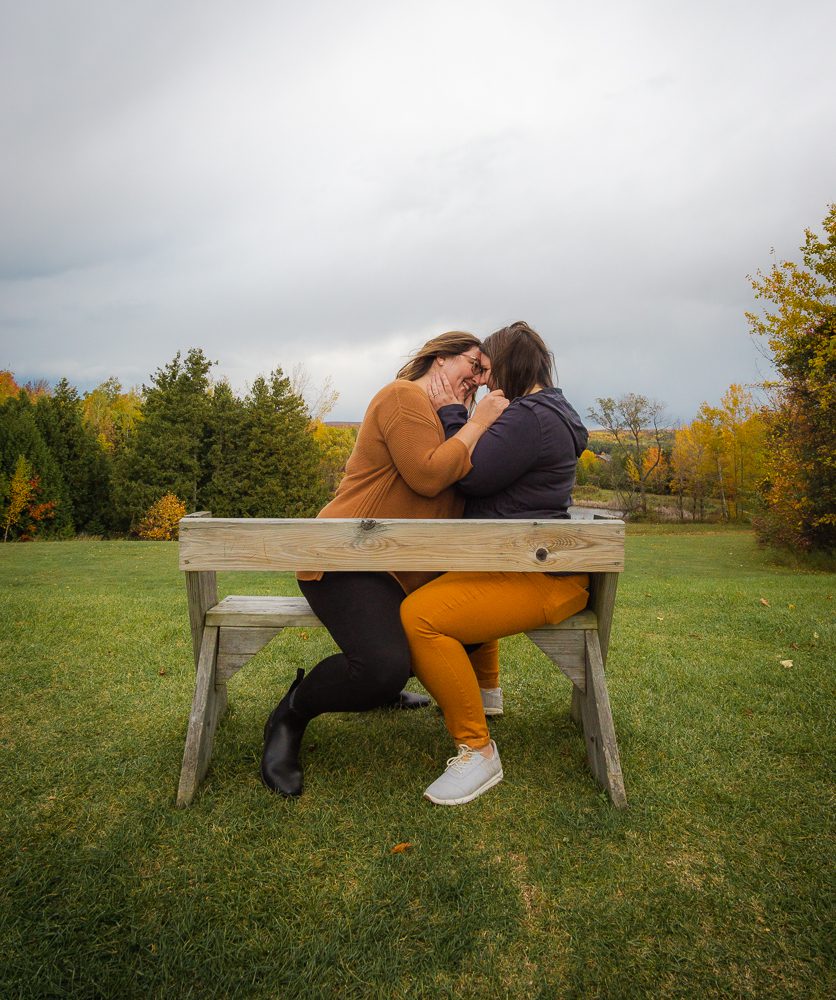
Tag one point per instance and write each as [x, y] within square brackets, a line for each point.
[444, 345]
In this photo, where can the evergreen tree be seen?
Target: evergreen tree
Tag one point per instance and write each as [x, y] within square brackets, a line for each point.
[165, 452]
[224, 471]
[21, 436]
[82, 461]
[280, 475]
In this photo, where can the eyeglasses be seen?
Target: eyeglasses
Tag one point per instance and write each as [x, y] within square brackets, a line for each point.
[475, 364]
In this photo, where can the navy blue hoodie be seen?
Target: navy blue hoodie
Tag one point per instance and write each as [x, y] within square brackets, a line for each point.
[524, 465]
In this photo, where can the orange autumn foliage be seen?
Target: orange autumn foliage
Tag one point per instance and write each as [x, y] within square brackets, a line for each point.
[161, 522]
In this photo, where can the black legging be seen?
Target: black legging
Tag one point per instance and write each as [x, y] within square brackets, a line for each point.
[362, 613]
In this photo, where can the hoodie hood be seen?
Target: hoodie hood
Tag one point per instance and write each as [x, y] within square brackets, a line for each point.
[555, 400]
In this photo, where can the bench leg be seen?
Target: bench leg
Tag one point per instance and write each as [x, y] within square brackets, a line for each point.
[598, 728]
[207, 707]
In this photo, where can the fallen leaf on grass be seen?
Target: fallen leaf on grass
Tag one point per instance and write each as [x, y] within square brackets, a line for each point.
[786, 664]
[764, 602]
[162, 671]
[400, 848]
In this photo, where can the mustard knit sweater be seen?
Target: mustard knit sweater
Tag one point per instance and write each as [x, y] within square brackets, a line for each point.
[401, 465]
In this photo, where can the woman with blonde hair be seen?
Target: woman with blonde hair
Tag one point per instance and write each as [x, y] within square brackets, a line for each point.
[522, 467]
[402, 465]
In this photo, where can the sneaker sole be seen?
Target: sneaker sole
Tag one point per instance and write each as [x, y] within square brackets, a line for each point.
[493, 712]
[493, 780]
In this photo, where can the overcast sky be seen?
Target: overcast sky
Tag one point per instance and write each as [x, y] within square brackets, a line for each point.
[333, 183]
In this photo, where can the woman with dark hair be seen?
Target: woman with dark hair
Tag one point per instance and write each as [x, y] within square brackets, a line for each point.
[523, 467]
[402, 465]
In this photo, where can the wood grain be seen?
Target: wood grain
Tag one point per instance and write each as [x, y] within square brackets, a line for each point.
[238, 645]
[202, 721]
[281, 612]
[598, 728]
[565, 648]
[255, 544]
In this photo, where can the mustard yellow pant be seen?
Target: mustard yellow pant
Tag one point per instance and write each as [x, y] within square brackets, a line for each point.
[466, 608]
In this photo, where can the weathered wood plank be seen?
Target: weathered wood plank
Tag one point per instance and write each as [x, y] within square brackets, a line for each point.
[258, 544]
[598, 727]
[283, 612]
[201, 594]
[229, 665]
[263, 612]
[238, 645]
[245, 640]
[602, 601]
[202, 720]
[565, 649]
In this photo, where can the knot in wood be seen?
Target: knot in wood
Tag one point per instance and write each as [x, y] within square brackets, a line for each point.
[541, 554]
[367, 524]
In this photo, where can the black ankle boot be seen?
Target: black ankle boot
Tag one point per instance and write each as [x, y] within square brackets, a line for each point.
[280, 768]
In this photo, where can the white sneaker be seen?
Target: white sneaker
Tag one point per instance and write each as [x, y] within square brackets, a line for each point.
[492, 701]
[468, 774]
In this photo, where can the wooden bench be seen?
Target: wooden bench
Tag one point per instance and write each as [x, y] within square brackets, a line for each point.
[226, 634]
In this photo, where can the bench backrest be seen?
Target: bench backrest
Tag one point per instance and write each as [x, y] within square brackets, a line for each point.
[256, 544]
[209, 545]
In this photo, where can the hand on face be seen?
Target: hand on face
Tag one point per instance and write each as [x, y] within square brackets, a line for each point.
[440, 391]
[490, 407]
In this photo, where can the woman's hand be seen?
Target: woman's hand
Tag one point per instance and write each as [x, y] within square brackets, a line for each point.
[441, 392]
[489, 408]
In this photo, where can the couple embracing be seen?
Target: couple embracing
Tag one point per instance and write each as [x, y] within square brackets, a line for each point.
[425, 450]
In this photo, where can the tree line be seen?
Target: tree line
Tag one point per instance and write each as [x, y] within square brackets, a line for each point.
[114, 462]
[712, 468]
[102, 463]
[772, 462]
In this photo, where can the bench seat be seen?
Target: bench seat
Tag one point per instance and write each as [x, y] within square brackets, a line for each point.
[247, 624]
[295, 611]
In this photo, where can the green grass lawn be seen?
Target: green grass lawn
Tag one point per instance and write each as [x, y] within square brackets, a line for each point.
[715, 882]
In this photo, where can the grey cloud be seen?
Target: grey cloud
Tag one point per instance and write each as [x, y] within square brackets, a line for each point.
[332, 184]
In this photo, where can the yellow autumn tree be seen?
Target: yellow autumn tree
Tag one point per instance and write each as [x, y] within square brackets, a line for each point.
[743, 439]
[798, 323]
[691, 474]
[721, 454]
[21, 490]
[654, 471]
[588, 467]
[111, 413]
[160, 523]
[335, 445]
